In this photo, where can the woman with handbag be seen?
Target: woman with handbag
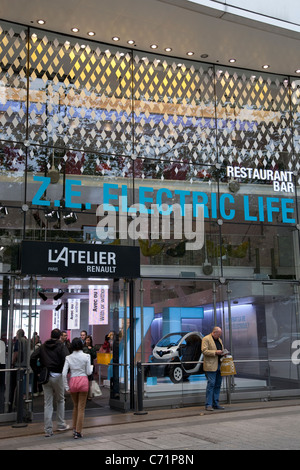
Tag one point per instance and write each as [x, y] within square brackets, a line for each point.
[88, 348]
[79, 365]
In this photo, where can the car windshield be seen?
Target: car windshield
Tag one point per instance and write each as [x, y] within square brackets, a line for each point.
[170, 340]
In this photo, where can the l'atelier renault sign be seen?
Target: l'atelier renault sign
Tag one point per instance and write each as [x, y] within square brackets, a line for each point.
[79, 260]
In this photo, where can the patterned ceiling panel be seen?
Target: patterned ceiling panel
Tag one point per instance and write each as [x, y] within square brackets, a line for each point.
[174, 110]
[80, 95]
[13, 82]
[87, 97]
[254, 123]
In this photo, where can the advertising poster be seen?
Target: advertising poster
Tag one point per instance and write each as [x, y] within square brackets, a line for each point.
[73, 314]
[98, 305]
[55, 319]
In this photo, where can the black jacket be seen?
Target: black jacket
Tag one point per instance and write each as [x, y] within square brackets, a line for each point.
[51, 354]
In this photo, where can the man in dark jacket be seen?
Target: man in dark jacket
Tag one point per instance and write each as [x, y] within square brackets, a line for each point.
[52, 355]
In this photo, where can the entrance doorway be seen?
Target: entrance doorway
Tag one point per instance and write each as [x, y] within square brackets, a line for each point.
[94, 307]
[99, 307]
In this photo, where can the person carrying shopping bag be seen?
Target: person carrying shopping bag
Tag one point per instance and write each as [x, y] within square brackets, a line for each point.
[88, 348]
[79, 365]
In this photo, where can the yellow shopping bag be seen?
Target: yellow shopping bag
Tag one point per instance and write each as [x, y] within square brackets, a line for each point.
[227, 366]
[104, 358]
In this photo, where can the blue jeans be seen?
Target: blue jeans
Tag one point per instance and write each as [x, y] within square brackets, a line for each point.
[214, 381]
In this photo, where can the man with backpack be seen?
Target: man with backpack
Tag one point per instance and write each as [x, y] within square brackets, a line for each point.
[51, 358]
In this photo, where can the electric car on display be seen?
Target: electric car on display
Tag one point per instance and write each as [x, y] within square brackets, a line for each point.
[177, 355]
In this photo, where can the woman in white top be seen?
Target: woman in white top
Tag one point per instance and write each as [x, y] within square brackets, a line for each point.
[79, 365]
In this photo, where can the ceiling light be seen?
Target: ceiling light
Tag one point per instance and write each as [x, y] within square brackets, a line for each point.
[190, 53]
[42, 296]
[58, 295]
[204, 56]
[75, 30]
[41, 21]
[154, 46]
[131, 41]
[69, 217]
[266, 66]
[51, 215]
[168, 49]
[297, 71]
[232, 61]
[91, 33]
[116, 38]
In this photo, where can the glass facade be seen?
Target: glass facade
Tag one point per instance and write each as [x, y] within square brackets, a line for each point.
[84, 124]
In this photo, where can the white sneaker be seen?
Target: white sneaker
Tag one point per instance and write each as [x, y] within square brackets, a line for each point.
[64, 428]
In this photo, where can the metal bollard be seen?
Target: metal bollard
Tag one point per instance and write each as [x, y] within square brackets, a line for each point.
[139, 378]
[20, 403]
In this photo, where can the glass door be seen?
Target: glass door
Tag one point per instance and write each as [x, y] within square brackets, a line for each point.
[261, 331]
[281, 301]
[35, 306]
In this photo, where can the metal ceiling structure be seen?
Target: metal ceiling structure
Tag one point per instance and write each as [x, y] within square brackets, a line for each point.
[182, 25]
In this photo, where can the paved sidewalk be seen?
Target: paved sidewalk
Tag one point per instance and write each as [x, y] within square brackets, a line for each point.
[251, 426]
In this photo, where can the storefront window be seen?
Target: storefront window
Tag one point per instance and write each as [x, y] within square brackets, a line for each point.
[260, 330]
[95, 139]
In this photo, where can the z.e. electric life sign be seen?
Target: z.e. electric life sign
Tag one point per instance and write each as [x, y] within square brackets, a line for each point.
[261, 208]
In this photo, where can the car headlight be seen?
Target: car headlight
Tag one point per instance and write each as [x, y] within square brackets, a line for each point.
[162, 353]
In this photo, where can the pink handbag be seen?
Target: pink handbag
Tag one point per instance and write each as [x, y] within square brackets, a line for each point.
[79, 384]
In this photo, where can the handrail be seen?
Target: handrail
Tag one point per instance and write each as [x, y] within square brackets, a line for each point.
[165, 363]
[201, 362]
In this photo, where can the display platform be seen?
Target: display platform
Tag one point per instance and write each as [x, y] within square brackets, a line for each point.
[195, 384]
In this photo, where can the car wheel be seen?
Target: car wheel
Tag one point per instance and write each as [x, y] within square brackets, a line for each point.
[176, 374]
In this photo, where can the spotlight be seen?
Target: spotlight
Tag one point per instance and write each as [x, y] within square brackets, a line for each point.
[3, 211]
[43, 296]
[58, 307]
[69, 218]
[58, 295]
[51, 215]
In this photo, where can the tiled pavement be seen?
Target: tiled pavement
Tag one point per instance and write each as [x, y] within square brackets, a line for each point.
[251, 426]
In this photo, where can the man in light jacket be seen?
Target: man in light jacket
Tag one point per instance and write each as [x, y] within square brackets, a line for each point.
[52, 355]
[212, 348]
